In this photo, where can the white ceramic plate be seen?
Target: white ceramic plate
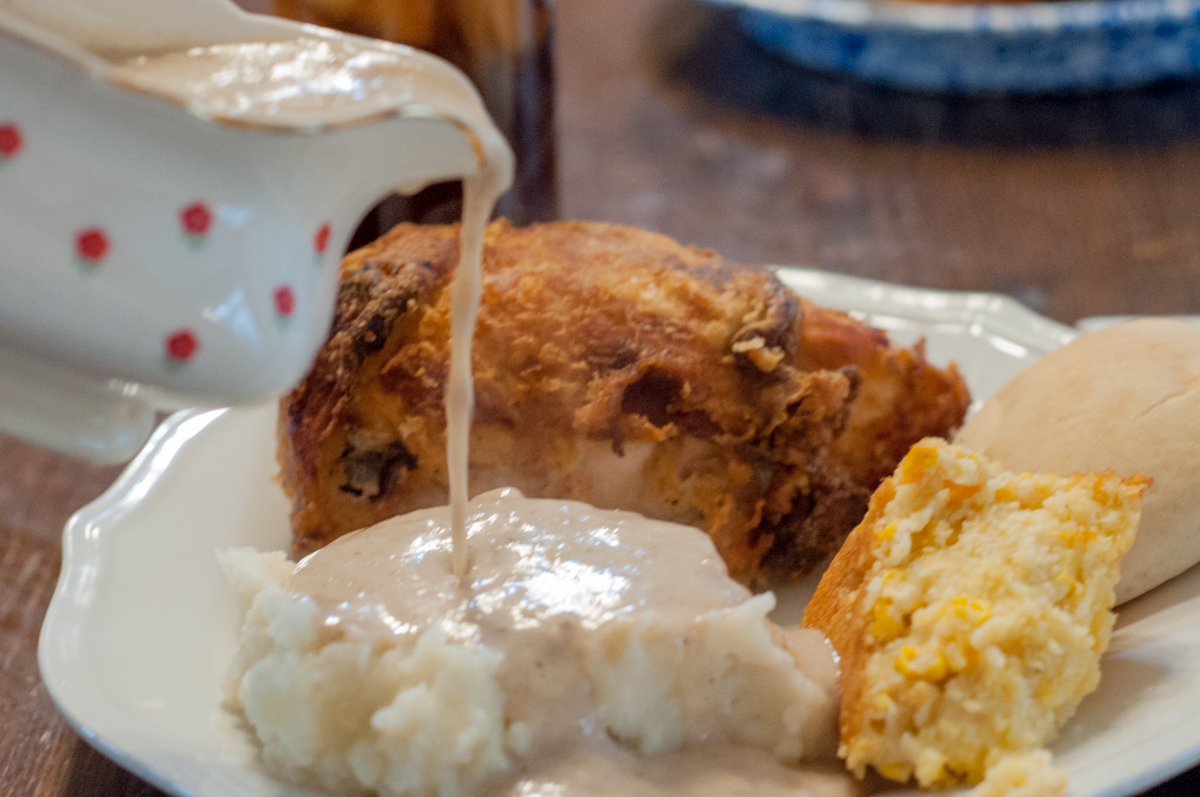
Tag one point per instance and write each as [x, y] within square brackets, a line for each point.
[142, 623]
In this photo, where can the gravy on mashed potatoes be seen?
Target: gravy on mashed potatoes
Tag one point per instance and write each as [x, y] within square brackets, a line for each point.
[580, 639]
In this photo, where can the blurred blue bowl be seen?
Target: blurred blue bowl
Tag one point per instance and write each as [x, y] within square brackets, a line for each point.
[1019, 47]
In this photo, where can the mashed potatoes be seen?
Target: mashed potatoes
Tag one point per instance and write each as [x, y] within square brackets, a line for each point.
[369, 667]
[345, 710]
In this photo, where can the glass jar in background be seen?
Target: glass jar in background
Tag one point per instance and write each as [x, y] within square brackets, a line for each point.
[506, 48]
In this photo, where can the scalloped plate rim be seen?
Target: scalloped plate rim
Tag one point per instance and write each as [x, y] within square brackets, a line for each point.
[69, 680]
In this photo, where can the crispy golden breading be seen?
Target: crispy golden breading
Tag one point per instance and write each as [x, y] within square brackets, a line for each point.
[612, 366]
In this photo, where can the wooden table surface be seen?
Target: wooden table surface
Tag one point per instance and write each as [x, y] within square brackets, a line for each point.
[670, 120]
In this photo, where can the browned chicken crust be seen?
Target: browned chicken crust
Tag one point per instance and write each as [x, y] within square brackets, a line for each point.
[612, 366]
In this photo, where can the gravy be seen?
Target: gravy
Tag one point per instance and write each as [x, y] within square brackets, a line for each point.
[553, 586]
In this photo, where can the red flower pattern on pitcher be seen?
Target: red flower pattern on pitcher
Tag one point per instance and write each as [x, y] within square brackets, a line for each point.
[10, 141]
[181, 345]
[321, 239]
[285, 301]
[91, 245]
[197, 219]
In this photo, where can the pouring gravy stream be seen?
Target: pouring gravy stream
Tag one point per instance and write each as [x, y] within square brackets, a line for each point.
[285, 84]
[292, 84]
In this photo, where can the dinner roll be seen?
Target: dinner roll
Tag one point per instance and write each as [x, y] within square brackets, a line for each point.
[1127, 398]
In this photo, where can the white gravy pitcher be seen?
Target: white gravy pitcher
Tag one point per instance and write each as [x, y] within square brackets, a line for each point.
[178, 180]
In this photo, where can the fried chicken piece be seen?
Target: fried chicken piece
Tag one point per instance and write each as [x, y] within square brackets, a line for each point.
[612, 366]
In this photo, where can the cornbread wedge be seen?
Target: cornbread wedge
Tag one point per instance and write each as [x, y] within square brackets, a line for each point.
[970, 609]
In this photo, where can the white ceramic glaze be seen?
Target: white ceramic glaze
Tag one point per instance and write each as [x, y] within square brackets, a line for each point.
[151, 257]
[141, 626]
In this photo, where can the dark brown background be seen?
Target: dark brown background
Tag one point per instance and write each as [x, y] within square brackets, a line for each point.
[670, 120]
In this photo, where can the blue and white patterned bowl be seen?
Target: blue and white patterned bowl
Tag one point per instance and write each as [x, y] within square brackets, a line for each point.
[1019, 47]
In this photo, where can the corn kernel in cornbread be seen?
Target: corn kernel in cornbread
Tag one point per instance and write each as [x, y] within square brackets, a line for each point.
[970, 609]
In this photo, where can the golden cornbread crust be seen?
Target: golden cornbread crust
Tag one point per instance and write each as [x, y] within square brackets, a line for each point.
[612, 366]
[970, 609]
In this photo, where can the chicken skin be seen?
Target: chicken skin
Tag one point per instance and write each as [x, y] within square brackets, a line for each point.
[612, 366]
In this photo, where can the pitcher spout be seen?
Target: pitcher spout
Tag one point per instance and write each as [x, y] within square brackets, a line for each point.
[171, 225]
